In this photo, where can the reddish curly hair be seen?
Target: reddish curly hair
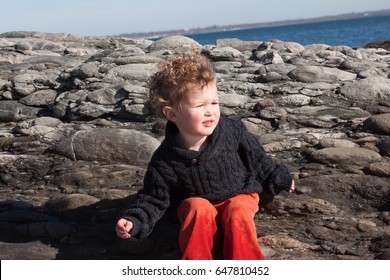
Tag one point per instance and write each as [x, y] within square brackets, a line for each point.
[177, 75]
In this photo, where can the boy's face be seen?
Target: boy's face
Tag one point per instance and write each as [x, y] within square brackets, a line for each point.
[199, 113]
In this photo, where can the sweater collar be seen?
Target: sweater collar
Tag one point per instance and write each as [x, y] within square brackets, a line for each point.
[171, 131]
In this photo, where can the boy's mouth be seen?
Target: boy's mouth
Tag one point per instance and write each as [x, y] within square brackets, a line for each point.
[208, 123]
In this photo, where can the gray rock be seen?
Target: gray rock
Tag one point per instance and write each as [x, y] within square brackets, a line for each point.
[270, 77]
[138, 109]
[233, 100]
[272, 113]
[25, 84]
[295, 100]
[139, 59]
[371, 89]
[130, 74]
[14, 111]
[108, 145]
[281, 68]
[70, 202]
[47, 121]
[384, 146]
[107, 96]
[40, 98]
[89, 70]
[82, 177]
[269, 58]
[313, 74]
[242, 46]
[88, 110]
[330, 143]
[173, 42]
[226, 67]
[346, 156]
[34, 250]
[380, 169]
[225, 54]
[37, 130]
[379, 124]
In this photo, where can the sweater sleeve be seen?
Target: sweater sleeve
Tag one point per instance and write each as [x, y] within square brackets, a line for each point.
[273, 177]
[150, 204]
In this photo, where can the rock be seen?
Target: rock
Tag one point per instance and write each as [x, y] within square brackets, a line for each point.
[343, 155]
[25, 84]
[89, 70]
[37, 130]
[107, 96]
[34, 250]
[173, 42]
[225, 54]
[130, 74]
[384, 146]
[324, 233]
[15, 111]
[75, 177]
[272, 113]
[385, 44]
[270, 58]
[285, 242]
[47, 121]
[40, 98]
[385, 255]
[70, 202]
[379, 124]
[108, 145]
[313, 74]
[378, 169]
[371, 89]
[238, 44]
[295, 100]
[329, 143]
[232, 100]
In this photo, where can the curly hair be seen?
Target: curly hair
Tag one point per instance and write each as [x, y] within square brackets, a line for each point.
[176, 76]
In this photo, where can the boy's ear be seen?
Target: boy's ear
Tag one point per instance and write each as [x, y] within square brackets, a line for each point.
[170, 113]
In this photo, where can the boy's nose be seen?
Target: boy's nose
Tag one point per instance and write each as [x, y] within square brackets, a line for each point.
[208, 110]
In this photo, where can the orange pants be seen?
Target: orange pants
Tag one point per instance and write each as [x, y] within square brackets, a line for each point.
[205, 227]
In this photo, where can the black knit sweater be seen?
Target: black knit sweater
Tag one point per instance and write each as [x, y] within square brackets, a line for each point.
[233, 163]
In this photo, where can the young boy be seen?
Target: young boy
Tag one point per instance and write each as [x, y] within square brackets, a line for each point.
[210, 166]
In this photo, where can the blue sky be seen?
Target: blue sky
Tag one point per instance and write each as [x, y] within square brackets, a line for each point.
[113, 17]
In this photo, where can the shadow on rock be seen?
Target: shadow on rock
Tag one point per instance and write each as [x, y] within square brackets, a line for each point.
[85, 232]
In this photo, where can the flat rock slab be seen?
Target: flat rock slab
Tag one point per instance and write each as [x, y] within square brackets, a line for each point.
[344, 155]
[35, 250]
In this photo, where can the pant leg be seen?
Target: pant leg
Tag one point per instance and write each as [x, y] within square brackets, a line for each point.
[198, 229]
[240, 236]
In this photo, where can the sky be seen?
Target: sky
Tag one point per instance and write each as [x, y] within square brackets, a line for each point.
[114, 17]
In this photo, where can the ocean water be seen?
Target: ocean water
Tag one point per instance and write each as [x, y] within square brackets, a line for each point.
[352, 32]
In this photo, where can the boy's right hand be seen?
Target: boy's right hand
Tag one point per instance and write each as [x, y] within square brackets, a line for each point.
[123, 227]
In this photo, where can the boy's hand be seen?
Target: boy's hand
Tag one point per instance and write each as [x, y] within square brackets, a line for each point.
[292, 188]
[123, 227]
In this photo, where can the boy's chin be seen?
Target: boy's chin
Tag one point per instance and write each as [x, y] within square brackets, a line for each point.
[209, 132]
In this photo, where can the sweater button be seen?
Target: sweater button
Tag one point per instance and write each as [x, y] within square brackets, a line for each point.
[194, 161]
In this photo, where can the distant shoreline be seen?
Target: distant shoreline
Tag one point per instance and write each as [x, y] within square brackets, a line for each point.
[215, 28]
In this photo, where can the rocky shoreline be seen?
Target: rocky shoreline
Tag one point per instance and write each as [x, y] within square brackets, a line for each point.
[76, 133]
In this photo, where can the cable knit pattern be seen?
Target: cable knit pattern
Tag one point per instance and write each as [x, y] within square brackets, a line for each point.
[234, 162]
